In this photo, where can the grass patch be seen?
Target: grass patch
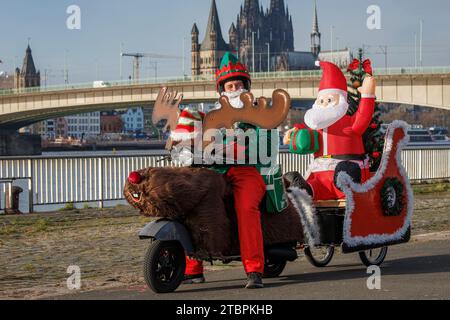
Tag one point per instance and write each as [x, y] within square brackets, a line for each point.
[68, 207]
[431, 188]
[8, 230]
[40, 225]
[29, 268]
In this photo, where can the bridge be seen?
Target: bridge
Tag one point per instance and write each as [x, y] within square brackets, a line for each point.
[428, 87]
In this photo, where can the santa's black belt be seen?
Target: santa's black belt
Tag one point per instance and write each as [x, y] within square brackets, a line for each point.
[347, 157]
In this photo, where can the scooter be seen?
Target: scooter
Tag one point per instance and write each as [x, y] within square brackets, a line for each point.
[374, 215]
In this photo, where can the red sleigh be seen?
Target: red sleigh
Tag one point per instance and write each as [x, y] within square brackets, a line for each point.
[375, 214]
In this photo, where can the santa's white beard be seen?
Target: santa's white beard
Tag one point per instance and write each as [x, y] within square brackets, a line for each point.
[319, 118]
[234, 98]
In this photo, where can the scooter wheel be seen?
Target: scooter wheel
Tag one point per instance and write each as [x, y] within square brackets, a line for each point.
[319, 257]
[164, 266]
[273, 269]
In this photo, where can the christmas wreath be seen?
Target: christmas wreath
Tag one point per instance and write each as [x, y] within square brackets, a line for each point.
[392, 197]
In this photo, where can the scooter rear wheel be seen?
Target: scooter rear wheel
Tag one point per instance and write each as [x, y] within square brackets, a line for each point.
[164, 266]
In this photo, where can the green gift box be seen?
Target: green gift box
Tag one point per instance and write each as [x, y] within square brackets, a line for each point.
[304, 140]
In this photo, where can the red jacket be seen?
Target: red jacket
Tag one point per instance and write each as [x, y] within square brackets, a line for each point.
[345, 136]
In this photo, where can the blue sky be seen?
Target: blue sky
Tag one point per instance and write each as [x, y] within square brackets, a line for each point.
[159, 26]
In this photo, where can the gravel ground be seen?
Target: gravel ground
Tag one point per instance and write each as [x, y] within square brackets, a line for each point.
[36, 250]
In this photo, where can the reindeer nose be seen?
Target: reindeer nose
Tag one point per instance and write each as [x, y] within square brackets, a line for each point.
[135, 177]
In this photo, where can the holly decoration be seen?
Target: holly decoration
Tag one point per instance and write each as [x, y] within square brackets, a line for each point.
[374, 136]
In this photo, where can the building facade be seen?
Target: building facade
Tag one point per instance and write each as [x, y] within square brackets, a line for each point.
[111, 122]
[133, 120]
[6, 81]
[85, 125]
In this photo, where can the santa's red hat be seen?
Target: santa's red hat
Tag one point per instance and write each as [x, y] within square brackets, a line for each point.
[333, 79]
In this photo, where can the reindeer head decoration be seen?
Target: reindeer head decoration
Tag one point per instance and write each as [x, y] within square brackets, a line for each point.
[261, 114]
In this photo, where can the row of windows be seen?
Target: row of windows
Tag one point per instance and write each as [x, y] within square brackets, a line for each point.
[84, 128]
[137, 120]
[83, 121]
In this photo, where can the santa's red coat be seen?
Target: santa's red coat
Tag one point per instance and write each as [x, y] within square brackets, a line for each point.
[342, 138]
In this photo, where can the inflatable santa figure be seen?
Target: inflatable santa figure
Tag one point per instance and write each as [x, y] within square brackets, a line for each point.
[333, 136]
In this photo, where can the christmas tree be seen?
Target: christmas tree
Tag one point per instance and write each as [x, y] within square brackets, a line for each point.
[374, 136]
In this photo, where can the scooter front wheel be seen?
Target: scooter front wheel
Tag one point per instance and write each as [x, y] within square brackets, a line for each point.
[164, 266]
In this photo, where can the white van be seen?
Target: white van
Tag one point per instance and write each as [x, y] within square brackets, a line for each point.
[101, 84]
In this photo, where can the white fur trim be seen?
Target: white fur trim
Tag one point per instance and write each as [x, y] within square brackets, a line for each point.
[345, 183]
[317, 63]
[183, 136]
[303, 203]
[368, 96]
[334, 91]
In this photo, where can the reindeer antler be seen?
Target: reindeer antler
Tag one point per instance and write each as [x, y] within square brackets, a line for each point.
[167, 108]
[261, 115]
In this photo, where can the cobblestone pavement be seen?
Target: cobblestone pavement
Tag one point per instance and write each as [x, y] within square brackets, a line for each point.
[36, 250]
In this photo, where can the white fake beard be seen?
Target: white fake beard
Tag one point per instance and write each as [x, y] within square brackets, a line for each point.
[234, 98]
[319, 118]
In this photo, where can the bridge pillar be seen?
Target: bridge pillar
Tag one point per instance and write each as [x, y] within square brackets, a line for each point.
[16, 144]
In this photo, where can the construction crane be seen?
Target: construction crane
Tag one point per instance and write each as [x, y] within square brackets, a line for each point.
[137, 60]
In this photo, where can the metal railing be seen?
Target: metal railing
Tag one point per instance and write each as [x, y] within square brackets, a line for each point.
[210, 78]
[99, 179]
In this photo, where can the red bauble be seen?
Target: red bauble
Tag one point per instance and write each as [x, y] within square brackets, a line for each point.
[376, 154]
[374, 126]
[135, 178]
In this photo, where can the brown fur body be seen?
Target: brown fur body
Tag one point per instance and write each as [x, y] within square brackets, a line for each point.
[202, 200]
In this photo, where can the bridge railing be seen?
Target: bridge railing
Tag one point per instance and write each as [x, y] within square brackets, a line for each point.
[100, 179]
[210, 78]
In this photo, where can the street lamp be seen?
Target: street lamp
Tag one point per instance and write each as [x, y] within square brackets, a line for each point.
[268, 56]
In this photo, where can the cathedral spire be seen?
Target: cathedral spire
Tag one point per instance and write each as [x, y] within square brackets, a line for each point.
[214, 31]
[315, 29]
[277, 5]
[315, 34]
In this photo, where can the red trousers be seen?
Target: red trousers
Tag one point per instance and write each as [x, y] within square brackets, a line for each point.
[248, 190]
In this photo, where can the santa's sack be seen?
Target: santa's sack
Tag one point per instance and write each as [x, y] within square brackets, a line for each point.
[304, 140]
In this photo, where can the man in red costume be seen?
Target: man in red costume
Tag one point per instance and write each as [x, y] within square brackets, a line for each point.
[249, 188]
[340, 135]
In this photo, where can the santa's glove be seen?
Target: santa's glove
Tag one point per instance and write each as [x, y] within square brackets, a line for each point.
[368, 87]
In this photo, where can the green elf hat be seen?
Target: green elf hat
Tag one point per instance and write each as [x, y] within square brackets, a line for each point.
[230, 67]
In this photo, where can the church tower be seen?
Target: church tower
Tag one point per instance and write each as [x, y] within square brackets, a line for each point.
[28, 77]
[195, 51]
[211, 50]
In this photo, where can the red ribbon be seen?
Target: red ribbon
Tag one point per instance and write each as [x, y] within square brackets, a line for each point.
[366, 65]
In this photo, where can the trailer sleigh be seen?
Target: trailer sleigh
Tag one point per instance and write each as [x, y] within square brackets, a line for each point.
[374, 215]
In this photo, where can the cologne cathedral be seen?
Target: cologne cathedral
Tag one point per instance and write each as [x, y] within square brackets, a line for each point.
[262, 38]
